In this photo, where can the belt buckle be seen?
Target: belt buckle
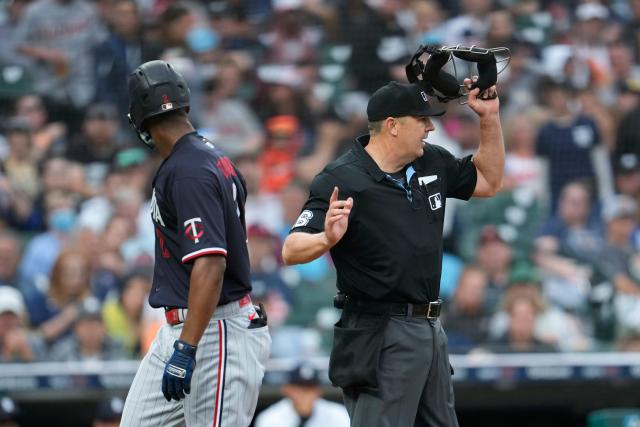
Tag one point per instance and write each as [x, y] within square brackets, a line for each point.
[433, 312]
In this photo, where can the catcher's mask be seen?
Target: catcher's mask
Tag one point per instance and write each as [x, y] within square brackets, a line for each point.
[155, 88]
[445, 86]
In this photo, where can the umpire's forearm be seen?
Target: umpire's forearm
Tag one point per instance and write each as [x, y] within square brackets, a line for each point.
[489, 159]
[205, 284]
[300, 248]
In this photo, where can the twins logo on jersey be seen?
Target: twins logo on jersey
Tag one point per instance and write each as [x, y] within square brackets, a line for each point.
[194, 229]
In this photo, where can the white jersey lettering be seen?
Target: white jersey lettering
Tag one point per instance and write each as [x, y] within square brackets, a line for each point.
[155, 209]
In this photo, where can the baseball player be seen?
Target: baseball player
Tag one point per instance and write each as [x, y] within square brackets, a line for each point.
[206, 364]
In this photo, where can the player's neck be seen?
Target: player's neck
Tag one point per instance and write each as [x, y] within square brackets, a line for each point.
[166, 135]
[382, 152]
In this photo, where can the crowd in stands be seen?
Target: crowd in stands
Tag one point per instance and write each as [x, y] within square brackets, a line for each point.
[552, 263]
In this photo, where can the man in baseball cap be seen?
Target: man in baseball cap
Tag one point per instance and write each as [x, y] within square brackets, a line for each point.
[303, 404]
[379, 210]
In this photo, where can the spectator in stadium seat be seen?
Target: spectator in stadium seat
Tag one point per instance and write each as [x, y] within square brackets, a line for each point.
[122, 313]
[617, 260]
[523, 169]
[278, 160]
[494, 255]
[95, 148]
[290, 41]
[378, 42]
[117, 56]
[89, 339]
[55, 312]
[20, 164]
[47, 135]
[428, 28]
[17, 343]
[523, 311]
[593, 107]
[467, 319]
[575, 214]
[261, 208]
[58, 37]
[41, 251]
[10, 253]
[570, 143]
[303, 404]
[553, 325]
[627, 170]
[266, 268]
[235, 128]
[282, 94]
[629, 344]
[23, 178]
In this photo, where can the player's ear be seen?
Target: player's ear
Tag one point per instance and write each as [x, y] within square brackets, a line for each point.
[392, 123]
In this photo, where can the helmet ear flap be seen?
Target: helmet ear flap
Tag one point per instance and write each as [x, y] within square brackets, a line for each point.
[143, 135]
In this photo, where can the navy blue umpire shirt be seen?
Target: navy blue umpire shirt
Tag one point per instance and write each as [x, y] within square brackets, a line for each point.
[392, 250]
[197, 209]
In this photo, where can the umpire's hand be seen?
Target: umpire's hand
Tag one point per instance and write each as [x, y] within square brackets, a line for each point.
[484, 104]
[176, 380]
[337, 217]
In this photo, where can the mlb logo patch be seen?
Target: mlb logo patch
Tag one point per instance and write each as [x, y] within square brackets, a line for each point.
[435, 201]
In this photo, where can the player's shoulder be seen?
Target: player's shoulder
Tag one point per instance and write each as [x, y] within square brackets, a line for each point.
[197, 157]
[340, 169]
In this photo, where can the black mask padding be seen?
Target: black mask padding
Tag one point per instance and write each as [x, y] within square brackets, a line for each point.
[446, 84]
[487, 69]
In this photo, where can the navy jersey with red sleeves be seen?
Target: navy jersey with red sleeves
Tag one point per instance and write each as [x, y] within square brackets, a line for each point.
[197, 209]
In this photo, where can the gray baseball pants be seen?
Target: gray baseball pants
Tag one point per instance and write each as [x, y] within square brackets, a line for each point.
[230, 364]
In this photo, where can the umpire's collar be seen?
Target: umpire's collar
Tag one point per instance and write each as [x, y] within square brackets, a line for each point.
[365, 159]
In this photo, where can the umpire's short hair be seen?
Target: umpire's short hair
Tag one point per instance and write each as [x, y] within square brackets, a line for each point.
[375, 127]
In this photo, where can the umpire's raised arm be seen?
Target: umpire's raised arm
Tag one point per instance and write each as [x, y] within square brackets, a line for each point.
[489, 159]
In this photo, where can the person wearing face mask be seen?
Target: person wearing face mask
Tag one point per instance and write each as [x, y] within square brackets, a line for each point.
[42, 251]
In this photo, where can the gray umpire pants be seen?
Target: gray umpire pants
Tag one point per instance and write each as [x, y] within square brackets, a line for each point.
[414, 377]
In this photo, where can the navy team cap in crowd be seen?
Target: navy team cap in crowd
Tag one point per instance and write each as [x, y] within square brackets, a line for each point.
[400, 100]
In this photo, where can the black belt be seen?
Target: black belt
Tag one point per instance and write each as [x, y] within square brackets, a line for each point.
[430, 310]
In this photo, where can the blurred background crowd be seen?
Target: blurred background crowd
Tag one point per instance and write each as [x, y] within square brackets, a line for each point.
[552, 263]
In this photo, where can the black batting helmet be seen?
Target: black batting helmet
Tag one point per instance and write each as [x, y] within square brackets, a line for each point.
[155, 88]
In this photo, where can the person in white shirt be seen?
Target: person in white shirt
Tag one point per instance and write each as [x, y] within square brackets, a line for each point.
[303, 405]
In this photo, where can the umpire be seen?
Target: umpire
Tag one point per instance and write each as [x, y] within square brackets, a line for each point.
[389, 352]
